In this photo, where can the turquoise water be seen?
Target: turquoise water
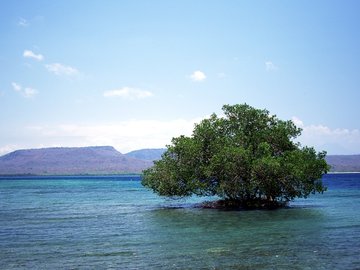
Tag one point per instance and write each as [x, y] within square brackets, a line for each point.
[114, 223]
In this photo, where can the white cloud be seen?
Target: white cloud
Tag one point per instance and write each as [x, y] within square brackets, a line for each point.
[30, 92]
[23, 22]
[270, 66]
[124, 136]
[198, 76]
[128, 93]
[335, 141]
[136, 134]
[16, 87]
[222, 75]
[8, 148]
[30, 54]
[297, 122]
[26, 92]
[62, 70]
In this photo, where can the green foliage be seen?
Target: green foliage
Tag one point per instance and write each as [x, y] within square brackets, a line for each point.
[247, 156]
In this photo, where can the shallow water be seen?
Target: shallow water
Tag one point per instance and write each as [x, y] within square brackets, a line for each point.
[114, 223]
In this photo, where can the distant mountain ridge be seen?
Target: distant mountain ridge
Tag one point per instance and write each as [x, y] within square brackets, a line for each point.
[107, 160]
[344, 163]
[70, 161]
[147, 154]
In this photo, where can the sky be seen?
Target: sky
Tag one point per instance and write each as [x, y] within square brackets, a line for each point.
[134, 74]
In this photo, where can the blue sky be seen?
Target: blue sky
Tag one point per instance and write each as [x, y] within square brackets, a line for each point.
[134, 74]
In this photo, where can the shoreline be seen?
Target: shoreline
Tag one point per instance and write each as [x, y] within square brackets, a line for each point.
[106, 174]
[342, 172]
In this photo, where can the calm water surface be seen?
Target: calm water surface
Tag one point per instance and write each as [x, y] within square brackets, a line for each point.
[114, 223]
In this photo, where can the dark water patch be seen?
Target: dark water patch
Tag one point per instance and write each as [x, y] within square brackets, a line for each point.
[109, 254]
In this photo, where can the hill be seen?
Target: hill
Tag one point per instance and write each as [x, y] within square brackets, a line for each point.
[107, 160]
[70, 161]
[344, 163]
[147, 154]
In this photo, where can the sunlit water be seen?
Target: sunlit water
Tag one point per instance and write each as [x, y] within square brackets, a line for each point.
[115, 223]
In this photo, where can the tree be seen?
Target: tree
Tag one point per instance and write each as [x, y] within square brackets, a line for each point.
[247, 157]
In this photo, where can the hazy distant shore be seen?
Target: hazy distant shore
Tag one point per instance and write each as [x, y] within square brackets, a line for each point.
[106, 160]
[105, 175]
[342, 172]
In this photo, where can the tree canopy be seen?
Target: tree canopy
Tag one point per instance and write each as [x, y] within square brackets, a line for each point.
[247, 157]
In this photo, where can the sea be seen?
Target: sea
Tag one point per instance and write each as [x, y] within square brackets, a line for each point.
[113, 222]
